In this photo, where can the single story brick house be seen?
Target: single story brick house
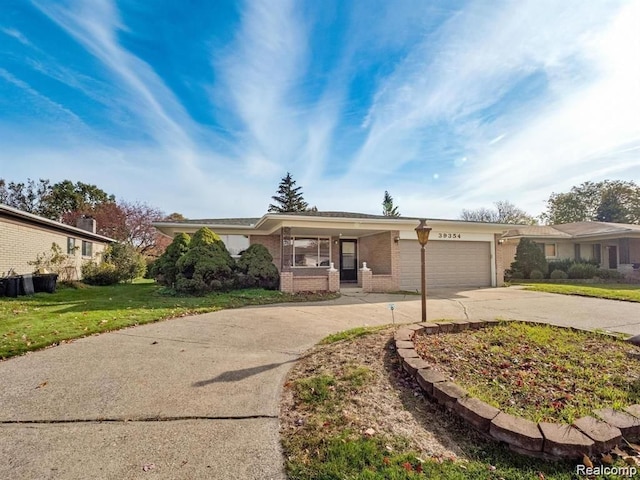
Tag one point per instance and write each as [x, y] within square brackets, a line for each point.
[614, 246]
[24, 235]
[317, 251]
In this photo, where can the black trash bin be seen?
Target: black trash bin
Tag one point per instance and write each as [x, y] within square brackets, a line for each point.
[45, 282]
[12, 286]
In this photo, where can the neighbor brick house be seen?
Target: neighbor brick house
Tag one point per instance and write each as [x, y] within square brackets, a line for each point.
[613, 246]
[23, 236]
[332, 250]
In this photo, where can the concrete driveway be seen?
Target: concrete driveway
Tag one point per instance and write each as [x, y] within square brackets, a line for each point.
[197, 397]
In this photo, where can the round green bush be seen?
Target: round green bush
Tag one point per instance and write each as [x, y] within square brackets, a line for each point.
[256, 269]
[536, 275]
[582, 271]
[207, 266]
[517, 275]
[165, 270]
[558, 275]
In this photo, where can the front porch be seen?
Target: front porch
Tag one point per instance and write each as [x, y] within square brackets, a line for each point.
[324, 259]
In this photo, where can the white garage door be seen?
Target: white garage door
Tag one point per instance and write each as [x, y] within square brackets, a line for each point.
[449, 264]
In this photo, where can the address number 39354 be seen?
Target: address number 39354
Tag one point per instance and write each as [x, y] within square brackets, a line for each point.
[449, 235]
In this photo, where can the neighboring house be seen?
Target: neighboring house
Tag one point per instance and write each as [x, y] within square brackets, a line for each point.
[305, 246]
[23, 236]
[614, 246]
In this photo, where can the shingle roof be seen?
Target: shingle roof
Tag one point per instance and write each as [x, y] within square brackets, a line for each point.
[573, 230]
[219, 221]
[578, 229]
[342, 215]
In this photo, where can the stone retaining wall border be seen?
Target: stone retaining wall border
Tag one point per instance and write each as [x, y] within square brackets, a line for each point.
[589, 435]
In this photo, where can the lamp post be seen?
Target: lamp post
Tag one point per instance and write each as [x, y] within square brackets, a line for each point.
[423, 231]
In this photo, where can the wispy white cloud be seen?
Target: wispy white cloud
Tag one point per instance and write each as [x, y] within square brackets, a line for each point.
[589, 108]
[17, 34]
[261, 71]
[95, 25]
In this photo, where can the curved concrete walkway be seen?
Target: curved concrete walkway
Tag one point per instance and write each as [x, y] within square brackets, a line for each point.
[198, 397]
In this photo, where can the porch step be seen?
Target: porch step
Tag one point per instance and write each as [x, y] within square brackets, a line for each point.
[350, 290]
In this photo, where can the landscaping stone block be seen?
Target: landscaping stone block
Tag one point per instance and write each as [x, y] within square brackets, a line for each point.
[628, 424]
[460, 325]
[412, 365]
[516, 431]
[604, 436]
[445, 327]
[448, 393]
[403, 344]
[633, 410]
[635, 340]
[404, 334]
[476, 412]
[492, 323]
[427, 378]
[407, 353]
[564, 441]
[476, 324]
[430, 328]
[414, 327]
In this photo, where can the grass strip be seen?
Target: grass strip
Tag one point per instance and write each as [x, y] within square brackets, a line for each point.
[617, 291]
[32, 322]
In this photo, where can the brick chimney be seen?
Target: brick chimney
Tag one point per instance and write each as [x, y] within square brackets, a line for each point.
[86, 223]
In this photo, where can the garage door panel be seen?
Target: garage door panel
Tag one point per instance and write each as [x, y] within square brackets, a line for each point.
[449, 264]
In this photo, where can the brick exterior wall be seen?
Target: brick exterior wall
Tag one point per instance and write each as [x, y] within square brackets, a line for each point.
[272, 243]
[311, 284]
[383, 283]
[376, 251]
[21, 242]
[505, 255]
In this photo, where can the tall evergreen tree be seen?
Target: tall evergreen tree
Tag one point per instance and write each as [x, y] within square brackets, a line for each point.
[388, 210]
[288, 198]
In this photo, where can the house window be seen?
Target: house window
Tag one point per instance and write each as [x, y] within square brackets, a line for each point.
[311, 251]
[87, 249]
[549, 249]
[71, 246]
[597, 252]
[577, 254]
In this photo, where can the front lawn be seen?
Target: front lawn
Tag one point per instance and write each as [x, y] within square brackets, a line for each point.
[30, 323]
[611, 291]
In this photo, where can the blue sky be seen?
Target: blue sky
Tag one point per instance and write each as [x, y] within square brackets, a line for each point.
[200, 107]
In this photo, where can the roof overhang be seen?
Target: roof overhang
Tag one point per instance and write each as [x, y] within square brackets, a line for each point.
[13, 213]
[272, 223]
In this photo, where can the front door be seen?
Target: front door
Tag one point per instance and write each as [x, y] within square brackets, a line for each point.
[348, 261]
[613, 257]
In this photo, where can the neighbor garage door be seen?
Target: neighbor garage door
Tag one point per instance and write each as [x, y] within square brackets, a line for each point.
[449, 264]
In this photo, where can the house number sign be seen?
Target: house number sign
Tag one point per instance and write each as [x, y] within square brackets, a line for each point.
[447, 235]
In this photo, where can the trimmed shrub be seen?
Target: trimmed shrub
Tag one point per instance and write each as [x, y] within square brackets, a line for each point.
[582, 271]
[129, 264]
[563, 265]
[99, 274]
[609, 274]
[256, 269]
[529, 257]
[165, 269]
[120, 263]
[207, 265]
[536, 275]
[517, 275]
[558, 275]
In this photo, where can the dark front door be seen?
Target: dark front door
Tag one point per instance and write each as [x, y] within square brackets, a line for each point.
[348, 261]
[613, 257]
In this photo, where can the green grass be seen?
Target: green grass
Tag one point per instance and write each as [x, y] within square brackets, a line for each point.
[612, 291]
[350, 334]
[40, 320]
